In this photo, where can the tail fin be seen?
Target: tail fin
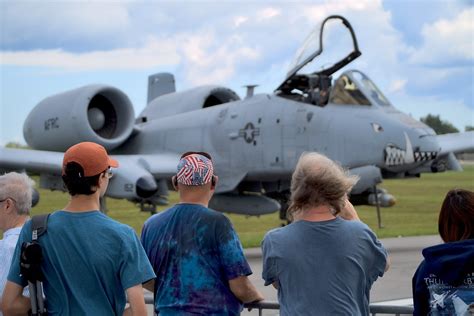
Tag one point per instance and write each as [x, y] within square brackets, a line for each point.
[159, 84]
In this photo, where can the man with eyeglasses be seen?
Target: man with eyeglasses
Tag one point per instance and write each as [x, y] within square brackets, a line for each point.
[15, 203]
[91, 263]
[195, 252]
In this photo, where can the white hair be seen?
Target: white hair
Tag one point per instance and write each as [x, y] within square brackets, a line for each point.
[19, 187]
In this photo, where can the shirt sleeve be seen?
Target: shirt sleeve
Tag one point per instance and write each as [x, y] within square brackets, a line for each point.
[14, 275]
[378, 259]
[269, 272]
[231, 254]
[135, 267]
[143, 237]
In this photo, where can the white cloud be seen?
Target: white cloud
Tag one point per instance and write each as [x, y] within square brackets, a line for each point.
[154, 53]
[397, 85]
[268, 13]
[320, 11]
[240, 20]
[207, 63]
[446, 40]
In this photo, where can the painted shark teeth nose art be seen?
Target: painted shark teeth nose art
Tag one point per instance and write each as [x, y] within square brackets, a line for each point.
[395, 156]
[425, 155]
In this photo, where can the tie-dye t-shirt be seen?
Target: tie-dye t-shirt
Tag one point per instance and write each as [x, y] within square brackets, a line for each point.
[194, 252]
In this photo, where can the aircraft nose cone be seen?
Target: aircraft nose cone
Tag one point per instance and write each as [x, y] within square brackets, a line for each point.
[146, 187]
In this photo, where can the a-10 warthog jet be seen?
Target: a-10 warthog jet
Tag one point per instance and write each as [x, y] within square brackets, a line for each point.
[255, 142]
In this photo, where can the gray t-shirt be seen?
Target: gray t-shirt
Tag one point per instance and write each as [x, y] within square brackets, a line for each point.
[323, 268]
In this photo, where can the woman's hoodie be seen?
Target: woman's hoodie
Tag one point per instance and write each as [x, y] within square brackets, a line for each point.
[444, 282]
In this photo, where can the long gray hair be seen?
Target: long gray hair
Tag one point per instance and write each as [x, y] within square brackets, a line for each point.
[318, 180]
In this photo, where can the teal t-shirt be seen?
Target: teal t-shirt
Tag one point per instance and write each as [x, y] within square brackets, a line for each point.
[89, 260]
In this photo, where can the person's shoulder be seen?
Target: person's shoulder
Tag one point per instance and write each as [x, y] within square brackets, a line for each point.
[356, 226]
[115, 228]
[359, 231]
[27, 225]
[421, 272]
[209, 212]
[206, 213]
[165, 216]
[352, 223]
[157, 217]
[279, 232]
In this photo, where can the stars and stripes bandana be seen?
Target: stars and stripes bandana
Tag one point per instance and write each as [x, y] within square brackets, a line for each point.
[194, 169]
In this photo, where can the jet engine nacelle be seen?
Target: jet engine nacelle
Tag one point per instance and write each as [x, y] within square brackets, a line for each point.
[186, 101]
[96, 113]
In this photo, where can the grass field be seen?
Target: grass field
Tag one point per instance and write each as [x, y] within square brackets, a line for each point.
[415, 213]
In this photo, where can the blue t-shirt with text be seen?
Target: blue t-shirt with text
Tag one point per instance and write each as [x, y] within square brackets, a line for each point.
[194, 252]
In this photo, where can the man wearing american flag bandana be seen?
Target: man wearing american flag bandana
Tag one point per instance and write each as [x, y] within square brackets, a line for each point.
[195, 169]
[195, 251]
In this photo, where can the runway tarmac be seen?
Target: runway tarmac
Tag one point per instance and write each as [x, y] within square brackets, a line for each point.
[405, 255]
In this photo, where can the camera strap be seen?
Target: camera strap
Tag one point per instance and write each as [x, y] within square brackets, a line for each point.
[39, 225]
[30, 265]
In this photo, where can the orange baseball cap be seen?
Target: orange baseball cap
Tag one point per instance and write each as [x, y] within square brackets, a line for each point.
[92, 157]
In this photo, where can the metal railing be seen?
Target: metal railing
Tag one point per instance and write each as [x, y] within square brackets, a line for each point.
[271, 305]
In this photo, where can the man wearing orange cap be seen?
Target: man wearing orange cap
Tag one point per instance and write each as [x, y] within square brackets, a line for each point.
[90, 262]
[196, 254]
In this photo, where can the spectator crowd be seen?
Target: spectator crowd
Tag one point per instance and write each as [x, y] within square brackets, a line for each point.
[323, 263]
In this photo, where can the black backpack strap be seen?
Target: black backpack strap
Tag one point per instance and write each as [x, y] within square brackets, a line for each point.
[39, 225]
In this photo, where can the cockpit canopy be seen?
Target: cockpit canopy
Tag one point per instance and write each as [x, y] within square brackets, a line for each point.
[355, 88]
[327, 49]
[309, 78]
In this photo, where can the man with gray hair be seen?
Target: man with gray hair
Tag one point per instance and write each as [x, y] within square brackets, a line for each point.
[325, 262]
[15, 203]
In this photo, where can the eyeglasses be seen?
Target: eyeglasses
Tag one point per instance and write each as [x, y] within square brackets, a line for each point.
[109, 173]
[7, 199]
[202, 153]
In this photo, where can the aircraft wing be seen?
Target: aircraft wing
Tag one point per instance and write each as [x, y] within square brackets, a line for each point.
[134, 178]
[41, 161]
[161, 165]
[456, 142]
[31, 160]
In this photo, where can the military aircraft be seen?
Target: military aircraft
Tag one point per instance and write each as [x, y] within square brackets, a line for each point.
[255, 142]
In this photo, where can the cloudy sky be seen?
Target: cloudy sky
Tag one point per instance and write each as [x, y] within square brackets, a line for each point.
[419, 52]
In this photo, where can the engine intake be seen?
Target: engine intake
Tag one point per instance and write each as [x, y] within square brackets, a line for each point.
[97, 113]
[186, 101]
